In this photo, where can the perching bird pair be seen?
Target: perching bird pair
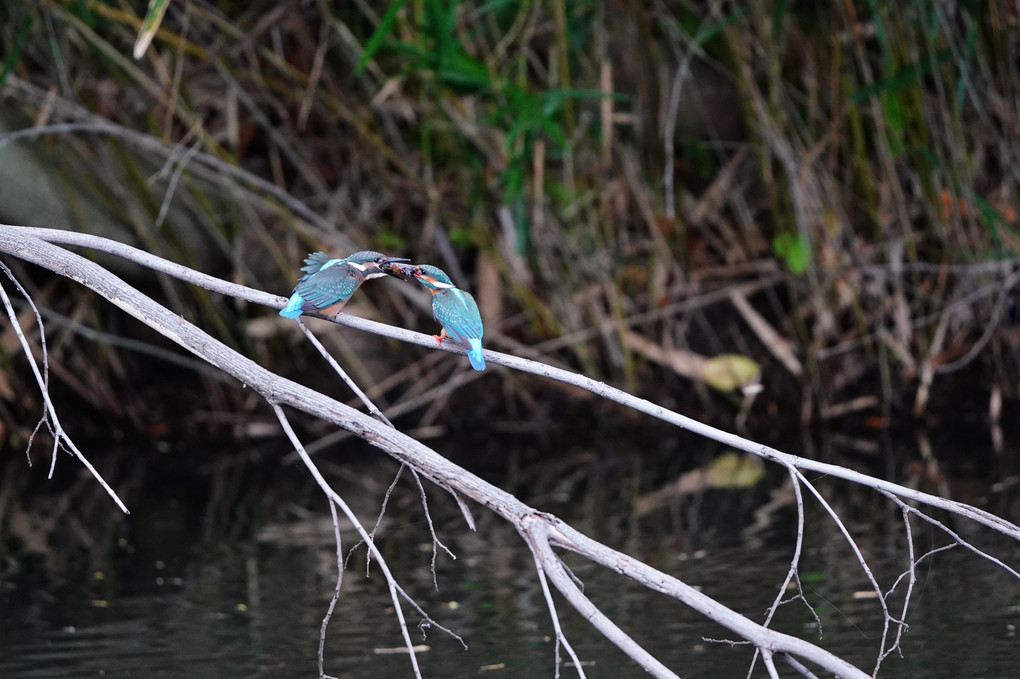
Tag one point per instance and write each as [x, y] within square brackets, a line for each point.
[328, 283]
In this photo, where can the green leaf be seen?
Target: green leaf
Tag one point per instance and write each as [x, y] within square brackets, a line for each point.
[462, 70]
[513, 179]
[375, 41]
[554, 132]
[794, 250]
[893, 106]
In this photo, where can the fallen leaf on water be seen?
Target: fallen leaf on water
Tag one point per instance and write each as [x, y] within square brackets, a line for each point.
[729, 470]
[733, 470]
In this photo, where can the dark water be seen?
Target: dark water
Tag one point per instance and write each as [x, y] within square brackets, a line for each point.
[227, 572]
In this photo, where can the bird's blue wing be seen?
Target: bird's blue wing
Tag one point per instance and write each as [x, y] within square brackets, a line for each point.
[458, 313]
[328, 286]
[314, 262]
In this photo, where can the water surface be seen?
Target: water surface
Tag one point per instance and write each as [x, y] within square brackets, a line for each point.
[228, 573]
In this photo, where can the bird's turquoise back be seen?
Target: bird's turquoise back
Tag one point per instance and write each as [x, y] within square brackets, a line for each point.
[458, 313]
[328, 285]
[456, 310]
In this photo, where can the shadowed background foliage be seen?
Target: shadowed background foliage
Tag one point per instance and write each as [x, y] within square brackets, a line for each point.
[683, 198]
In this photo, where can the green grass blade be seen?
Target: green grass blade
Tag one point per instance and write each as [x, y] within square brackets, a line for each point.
[964, 66]
[12, 56]
[375, 41]
[150, 24]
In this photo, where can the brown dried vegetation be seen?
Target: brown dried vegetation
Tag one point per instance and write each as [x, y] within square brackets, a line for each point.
[630, 188]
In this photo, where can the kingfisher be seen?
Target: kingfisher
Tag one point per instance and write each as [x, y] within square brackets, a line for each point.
[455, 309]
[328, 283]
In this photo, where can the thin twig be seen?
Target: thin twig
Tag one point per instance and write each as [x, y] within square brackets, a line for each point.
[960, 541]
[59, 435]
[343, 374]
[551, 605]
[912, 575]
[436, 542]
[378, 519]
[991, 325]
[336, 590]
[352, 517]
[793, 573]
[171, 188]
[886, 616]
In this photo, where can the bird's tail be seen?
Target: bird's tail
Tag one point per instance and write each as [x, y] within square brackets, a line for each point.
[475, 354]
[293, 308]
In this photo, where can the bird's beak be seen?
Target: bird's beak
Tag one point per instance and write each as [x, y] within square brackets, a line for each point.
[395, 267]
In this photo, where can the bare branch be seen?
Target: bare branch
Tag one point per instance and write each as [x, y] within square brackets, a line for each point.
[336, 499]
[793, 572]
[535, 529]
[436, 542]
[886, 616]
[560, 637]
[59, 435]
[770, 665]
[12, 236]
[343, 374]
[805, 672]
[951, 533]
[336, 591]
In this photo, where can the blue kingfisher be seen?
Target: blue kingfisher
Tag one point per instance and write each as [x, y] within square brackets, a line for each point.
[455, 309]
[328, 283]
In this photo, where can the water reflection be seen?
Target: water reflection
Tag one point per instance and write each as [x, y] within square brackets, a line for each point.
[188, 592]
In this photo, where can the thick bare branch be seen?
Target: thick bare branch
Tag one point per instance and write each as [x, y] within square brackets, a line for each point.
[535, 529]
[280, 391]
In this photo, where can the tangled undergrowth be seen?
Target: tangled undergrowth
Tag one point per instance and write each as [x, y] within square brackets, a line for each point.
[821, 199]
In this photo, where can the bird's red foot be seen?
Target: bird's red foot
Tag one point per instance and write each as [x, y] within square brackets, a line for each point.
[438, 339]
